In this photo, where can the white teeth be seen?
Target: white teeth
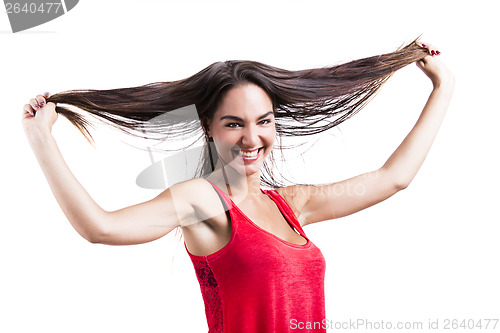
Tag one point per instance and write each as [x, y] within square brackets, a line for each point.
[249, 154]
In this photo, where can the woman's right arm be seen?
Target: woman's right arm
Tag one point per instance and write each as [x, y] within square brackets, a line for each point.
[137, 224]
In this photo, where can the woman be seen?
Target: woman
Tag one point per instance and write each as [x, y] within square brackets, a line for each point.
[257, 269]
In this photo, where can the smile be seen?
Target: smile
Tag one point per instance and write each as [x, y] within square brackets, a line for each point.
[250, 155]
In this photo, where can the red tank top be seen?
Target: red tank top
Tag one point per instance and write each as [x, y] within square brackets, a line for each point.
[259, 282]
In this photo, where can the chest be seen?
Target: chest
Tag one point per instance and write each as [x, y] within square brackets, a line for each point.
[266, 216]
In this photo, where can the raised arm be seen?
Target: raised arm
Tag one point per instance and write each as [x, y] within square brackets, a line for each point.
[131, 225]
[319, 203]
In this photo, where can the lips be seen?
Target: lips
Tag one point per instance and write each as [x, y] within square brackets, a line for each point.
[249, 155]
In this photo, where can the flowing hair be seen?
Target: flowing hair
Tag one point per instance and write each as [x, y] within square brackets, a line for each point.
[305, 102]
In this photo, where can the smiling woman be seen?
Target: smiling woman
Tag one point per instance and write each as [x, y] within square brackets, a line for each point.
[304, 102]
[257, 269]
[241, 133]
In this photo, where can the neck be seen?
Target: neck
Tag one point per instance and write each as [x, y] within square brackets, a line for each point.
[235, 184]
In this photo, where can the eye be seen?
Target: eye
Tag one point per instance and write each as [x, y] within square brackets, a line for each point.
[232, 125]
[265, 122]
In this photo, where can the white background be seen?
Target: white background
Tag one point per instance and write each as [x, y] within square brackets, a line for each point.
[429, 252]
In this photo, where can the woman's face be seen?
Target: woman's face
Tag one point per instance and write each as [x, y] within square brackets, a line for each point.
[243, 128]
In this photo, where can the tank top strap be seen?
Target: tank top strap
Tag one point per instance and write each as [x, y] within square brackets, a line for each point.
[275, 196]
[286, 210]
[223, 196]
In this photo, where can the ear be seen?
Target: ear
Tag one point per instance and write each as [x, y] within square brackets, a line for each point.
[206, 128]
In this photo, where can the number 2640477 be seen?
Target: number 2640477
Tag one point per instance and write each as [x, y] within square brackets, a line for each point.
[44, 7]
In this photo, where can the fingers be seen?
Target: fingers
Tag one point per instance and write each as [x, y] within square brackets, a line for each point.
[430, 48]
[29, 109]
[36, 103]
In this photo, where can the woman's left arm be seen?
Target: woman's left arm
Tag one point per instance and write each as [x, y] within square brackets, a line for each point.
[406, 160]
[325, 202]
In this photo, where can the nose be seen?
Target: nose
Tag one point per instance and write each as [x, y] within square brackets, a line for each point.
[250, 137]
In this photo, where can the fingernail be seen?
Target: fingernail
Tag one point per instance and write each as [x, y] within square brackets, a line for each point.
[42, 103]
[438, 53]
[46, 94]
[433, 53]
[36, 107]
[424, 45]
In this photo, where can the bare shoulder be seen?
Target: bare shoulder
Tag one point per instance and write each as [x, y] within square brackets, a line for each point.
[200, 195]
[296, 196]
[195, 191]
[190, 188]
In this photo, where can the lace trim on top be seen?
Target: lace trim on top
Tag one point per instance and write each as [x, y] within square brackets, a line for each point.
[211, 295]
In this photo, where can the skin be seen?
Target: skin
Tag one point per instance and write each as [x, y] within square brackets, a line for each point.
[242, 122]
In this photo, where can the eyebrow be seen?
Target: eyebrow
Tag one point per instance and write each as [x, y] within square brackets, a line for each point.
[239, 119]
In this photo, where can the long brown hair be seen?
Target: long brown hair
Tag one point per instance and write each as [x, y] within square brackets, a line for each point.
[305, 102]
